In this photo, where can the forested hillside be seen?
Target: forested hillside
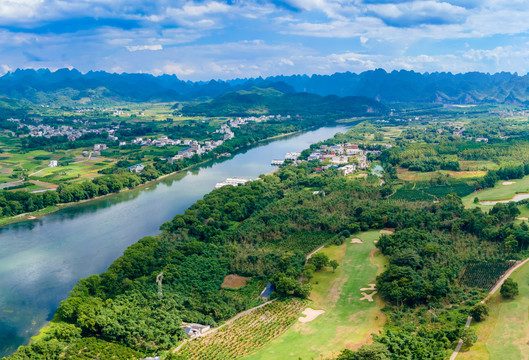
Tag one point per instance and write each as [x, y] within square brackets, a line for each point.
[270, 101]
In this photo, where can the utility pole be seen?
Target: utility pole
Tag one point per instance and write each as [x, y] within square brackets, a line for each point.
[159, 279]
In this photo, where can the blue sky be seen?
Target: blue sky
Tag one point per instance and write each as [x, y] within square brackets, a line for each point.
[200, 40]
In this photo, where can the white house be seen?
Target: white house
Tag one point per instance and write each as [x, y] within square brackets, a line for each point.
[362, 162]
[348, 169]
[136, 168]
[194, 330]
[53, 163]
[171, 160]
[339, 159]
[292, 156]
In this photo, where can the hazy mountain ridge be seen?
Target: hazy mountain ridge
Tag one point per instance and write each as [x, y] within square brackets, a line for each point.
[71, 87]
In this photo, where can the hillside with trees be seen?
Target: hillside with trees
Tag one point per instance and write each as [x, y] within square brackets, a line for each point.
[270, 101]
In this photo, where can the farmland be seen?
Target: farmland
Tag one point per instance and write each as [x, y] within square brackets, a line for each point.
[424, 191]
[246, 334]
[504, 335]
[484, 275]
[347, 321]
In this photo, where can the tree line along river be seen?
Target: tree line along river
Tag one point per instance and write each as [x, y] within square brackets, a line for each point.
[42, 259]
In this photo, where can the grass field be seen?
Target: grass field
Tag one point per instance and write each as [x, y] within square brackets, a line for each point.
[504, 335]
[498, 192]
[477, 165]
[347, 321]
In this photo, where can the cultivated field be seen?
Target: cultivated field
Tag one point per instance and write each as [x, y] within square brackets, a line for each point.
[246, 334]
[347, 321]
[504, 335]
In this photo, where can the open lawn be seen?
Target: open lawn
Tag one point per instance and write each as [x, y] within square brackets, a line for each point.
[498, 192]
[478, 165]
[504, 335]
[406, 175]
[82, 169]
[347, 322]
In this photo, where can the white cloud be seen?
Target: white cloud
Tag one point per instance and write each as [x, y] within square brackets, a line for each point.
[15, 9]
[177, 69]
[5, 69]
[133, 48]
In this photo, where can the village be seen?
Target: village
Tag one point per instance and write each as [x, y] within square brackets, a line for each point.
[347, 158]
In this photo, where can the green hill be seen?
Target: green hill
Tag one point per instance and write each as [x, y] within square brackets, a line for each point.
[270, 101]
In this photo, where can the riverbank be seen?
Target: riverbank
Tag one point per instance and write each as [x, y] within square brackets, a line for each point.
[51, 209]
[42, 260]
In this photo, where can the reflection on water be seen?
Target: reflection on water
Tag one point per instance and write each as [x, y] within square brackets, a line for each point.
[41, 260]
[515, 198]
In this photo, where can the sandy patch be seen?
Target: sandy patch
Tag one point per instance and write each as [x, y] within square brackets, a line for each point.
[31, 217]
[508, 182]
[356, 241]
[310, 314]
[522, 218]
[370, 288]
[234, 281]
[387, 231]
[368, 297]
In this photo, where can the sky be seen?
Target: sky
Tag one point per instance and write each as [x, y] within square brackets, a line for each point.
[202, 40]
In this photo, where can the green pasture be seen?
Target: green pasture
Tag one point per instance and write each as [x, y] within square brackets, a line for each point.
[81, 170]
[479, 165]
[347, 321]
[26, 161]
[498, 192]
[504, 335]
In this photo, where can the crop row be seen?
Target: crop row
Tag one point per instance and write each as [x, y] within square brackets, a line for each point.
[484, 275]
[246, 334]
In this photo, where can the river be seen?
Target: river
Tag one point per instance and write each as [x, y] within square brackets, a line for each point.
[42, 259]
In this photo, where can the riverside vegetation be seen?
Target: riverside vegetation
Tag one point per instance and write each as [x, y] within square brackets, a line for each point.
[79, 179]
[265, 228]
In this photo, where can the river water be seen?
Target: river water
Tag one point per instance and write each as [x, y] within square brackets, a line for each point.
[42, 259]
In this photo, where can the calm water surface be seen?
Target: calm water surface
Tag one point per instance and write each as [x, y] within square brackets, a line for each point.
[41, 260]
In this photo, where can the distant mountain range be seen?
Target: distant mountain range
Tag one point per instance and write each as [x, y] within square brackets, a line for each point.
[72, 88]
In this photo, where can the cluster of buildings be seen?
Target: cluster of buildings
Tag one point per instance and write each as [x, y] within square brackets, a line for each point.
[195, 148]
[239, 121]
[342, 154]
[347, 158]
[48, 131]
[458, 132]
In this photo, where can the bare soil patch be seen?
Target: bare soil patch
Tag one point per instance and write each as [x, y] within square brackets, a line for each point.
[234, 281]
[368, 297]
[508, 182]
[310, 314]
[370, 288]
[356, 241]
[387, 231]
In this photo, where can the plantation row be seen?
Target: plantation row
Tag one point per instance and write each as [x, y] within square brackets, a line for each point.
[484, 275]
[246, 334]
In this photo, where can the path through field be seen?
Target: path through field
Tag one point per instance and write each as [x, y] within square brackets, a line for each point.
[508, 321]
